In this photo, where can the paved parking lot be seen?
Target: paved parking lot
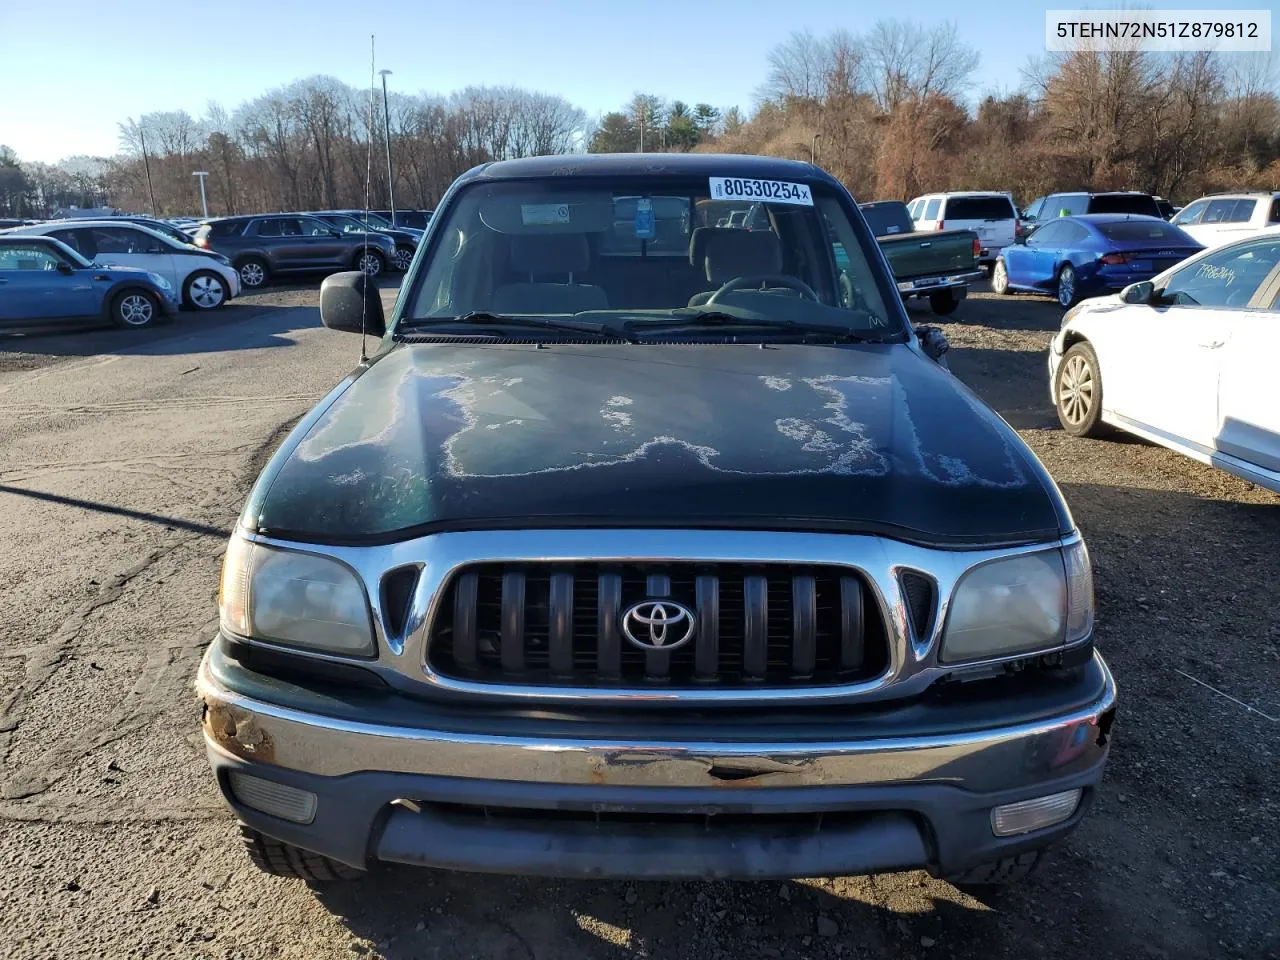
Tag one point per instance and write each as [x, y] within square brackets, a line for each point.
[123, 462]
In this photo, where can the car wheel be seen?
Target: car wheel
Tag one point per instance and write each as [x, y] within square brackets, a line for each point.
[1078, 392]
[1000, 278]
[205, 290]
[370, 262]
[253, 272]
[403, 257]
[285, 860]
[1067, 287]
[943, 303]
[135, 309]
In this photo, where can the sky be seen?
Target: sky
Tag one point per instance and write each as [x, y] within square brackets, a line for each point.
[73, 70]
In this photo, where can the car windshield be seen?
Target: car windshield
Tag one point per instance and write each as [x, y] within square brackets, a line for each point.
[371, 218]
[346, 224]
[652, 249]
[1157, 231]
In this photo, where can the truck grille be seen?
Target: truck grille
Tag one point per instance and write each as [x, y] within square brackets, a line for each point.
[758, 625]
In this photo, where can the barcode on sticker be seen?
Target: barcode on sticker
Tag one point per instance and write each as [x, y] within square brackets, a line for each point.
[769, 191]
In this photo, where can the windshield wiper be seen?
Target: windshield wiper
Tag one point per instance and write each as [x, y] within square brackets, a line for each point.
[600, 331]
[715, 318]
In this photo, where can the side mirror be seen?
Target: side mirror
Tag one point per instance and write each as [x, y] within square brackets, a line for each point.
[65, 268]
[350, 302]
[1020, 238]
[934, 343]
[1141, 292]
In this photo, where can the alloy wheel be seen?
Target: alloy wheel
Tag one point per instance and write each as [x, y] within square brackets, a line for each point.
[205, 292]
[1076, 389]
[136, 310]
[999, 278]
[402, 258]
[1066, 287]
[371, 264]
[252, 274]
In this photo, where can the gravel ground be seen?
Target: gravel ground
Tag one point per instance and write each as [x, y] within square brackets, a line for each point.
[123, 461]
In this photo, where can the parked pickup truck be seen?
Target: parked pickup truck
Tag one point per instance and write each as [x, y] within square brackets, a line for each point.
[939, 264]
[694, 565]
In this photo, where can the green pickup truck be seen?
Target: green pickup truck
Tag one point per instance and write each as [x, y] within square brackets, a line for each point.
[938, 265]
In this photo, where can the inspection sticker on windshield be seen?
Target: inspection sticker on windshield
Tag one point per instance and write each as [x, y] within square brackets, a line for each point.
[770, 191]
[541, 214]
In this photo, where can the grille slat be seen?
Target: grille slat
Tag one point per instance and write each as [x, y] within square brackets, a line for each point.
[755, 633]
[560, 624]
[513, 639]
[757, 625]
[707, 650]
[804, 612]
[608, 636]
[465, 605]
[851, 623]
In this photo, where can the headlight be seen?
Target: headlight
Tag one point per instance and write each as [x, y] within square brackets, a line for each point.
[298, 599]
[1030, 603]
[160, 281]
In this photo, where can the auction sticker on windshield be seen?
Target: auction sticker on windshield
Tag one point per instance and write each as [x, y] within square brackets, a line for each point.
[770, 191]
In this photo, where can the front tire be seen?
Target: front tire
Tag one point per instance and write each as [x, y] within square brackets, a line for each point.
[1000, 278]
[370, 263]
[135, 309]
[402, 259]
[1077, 392]
[254, 273]
[205, 290]
[285, 860]
[1067, 292]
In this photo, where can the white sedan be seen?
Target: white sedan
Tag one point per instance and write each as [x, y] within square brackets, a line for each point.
[204, 279]
[1185, 360]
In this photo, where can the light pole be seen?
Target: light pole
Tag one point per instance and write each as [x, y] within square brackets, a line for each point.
[204, 203]
[813, 149]
[386, 126]
[146, 163]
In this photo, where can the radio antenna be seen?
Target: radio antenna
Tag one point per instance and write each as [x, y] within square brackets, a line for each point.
[368, 181]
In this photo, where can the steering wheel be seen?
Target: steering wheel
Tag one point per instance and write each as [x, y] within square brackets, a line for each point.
[762, 280]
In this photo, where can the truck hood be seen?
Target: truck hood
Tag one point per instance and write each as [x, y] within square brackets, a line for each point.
[867, 438]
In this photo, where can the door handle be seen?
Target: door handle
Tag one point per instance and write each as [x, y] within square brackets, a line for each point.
[926, 244]
[4, 280]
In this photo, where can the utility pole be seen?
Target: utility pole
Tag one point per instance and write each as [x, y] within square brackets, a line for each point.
[204, 204]
[813, 149]
[386, 126]
[146, 164]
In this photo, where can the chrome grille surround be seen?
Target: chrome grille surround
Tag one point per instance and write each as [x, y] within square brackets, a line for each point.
[912, 660]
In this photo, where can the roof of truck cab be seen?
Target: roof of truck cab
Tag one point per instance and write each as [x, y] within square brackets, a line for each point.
[620, 165]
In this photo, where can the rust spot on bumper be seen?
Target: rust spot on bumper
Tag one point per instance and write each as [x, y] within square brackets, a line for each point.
[237, 732]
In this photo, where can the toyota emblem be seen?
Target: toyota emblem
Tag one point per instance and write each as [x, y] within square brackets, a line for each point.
[658, 624]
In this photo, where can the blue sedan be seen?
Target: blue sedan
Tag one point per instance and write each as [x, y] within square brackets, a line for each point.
[43, 282]
[1090, 255]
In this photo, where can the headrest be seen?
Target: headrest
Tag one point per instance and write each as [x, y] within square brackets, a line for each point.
[741, 253]
[544, 253]
[698, 241]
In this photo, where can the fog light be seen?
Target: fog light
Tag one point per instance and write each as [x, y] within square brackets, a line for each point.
[277, 799]
[1026, 815]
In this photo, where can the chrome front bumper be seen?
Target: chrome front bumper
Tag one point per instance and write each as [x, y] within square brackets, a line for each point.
[924, 797]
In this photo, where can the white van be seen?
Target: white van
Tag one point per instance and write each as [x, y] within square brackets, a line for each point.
[992, 215]
[1225, 217]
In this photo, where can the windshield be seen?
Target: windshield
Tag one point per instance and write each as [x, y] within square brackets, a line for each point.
[651, 250]
[376, 221]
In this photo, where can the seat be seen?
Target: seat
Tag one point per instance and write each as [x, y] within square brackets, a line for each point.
[538, 256]
[726, 254]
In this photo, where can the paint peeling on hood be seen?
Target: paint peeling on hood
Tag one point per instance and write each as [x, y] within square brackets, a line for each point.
[795, 436]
